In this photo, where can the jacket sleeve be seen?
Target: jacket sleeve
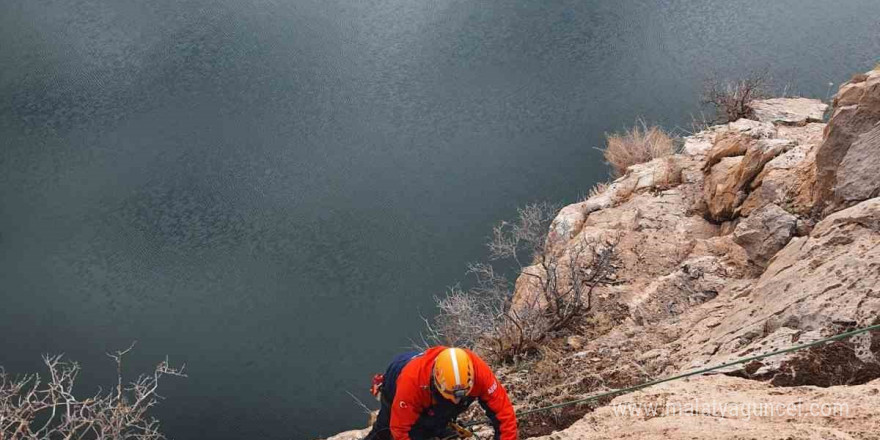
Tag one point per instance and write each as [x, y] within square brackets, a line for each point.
[405, 408]
[494, 400]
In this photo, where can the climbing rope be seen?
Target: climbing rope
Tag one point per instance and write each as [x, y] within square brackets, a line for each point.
[684, 375]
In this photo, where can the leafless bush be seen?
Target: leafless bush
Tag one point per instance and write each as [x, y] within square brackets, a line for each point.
[637, 145]
[491, 319]
[34, 408]
[732, 98]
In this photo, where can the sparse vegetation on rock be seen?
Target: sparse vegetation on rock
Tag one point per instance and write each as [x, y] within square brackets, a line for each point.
[45, 407]
[636, 145]
[506, 321]
[732, 99]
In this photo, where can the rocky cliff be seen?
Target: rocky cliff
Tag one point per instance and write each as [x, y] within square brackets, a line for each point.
[758, 235]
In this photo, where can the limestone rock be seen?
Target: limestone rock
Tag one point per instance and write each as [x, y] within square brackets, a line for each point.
[729, 181]
[699, 143]
[758, 155]
[661, 173]
[856, 111]
[527, 288]
[765, 232]
[755, 129]
[696, 281]
[810, 286]
[729, 145]
[789, 111]
[568, 223]
[719, 407]
[778, 182]
[858, 177]
[786, 161]
[721, 189]
[809, 135]
[623, 218]
[357, 434]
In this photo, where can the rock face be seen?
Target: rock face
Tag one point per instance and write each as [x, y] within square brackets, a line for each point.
[858, 177]
[814, 287]
[721, 407]
[856, 112]
[730, 259]
[789, 111]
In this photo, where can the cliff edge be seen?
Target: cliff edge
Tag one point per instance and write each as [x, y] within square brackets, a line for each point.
[758, 235]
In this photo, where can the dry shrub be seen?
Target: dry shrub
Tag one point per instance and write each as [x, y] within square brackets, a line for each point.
[44, 407]
[637, 145]
[732, 98]
[487, 317]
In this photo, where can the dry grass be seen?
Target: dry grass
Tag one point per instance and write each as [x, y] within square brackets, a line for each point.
[637, 145]
[597, 189]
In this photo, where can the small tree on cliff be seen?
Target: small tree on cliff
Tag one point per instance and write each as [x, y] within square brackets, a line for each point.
[558, 289]
[732, 98]
[33, 407]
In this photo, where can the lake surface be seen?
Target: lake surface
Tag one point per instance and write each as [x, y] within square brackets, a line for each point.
[272, 191]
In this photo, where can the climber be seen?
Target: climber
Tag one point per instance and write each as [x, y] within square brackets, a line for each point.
[422, 392]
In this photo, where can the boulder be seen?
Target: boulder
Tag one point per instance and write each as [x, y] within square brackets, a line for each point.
[759, 154]
[765, 232]
[721, 189]
[727, 145]
[789, 111]
[729, 179]
[569, 220]
[856, 111]
[858, 177]
[787, 180]
[787, 161]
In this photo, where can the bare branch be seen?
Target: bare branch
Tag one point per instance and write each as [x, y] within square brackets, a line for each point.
[732, 99]
[31, 409]
[487, 316]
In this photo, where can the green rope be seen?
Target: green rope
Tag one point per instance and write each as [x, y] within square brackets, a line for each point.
[684, 375]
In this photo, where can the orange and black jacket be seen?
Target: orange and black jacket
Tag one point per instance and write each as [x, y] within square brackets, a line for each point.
[418, 408]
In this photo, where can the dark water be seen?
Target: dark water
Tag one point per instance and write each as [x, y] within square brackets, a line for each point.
[270, 191]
